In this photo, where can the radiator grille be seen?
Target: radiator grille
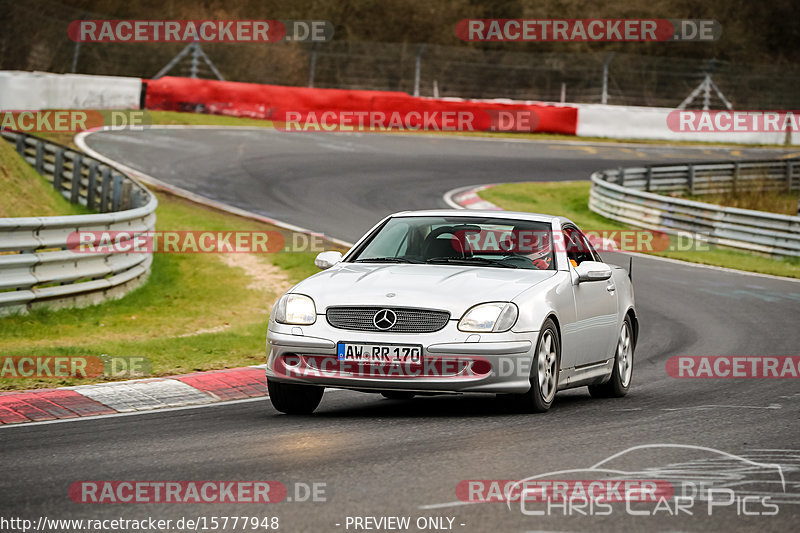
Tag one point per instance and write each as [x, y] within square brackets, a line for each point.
[409, 320]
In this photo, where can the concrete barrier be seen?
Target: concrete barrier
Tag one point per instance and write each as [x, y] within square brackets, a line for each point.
[43, 90]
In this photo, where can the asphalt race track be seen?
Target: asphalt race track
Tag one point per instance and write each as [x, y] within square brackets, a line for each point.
[341, 184]
[382, 457]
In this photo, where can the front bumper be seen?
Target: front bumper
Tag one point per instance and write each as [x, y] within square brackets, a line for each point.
[453, 361]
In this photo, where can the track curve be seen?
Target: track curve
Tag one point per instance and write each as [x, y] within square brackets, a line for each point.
[406, 458]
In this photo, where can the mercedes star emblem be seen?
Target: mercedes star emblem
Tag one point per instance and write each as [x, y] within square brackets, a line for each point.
[384, 319]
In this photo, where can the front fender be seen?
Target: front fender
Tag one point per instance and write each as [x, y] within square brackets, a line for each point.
[554, 298]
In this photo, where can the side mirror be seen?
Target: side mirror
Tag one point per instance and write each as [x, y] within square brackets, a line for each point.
[326, 260]
[593, 271]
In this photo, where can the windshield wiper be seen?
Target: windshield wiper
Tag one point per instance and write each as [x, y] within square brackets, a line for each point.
[470, 260]
[383, 260]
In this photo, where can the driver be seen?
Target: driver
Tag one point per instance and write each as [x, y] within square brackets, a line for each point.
[535, 244]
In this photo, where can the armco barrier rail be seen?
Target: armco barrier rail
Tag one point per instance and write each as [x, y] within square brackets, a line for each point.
[628, 195]
[37, 269]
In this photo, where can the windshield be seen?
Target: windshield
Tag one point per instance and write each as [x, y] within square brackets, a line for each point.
[481, 241]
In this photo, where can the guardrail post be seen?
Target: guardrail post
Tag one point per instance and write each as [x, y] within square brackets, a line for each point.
[92, 187]
[621, 176]
[104, 189]
[125, 200]
[789, 174]
[648, 179]
[77, 174]
[58, 169]
[39, 158]
[116, 192]
[21, 144]
[690, 177]
[735, 177]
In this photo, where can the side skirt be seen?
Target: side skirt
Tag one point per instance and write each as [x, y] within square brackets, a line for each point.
[591, 374]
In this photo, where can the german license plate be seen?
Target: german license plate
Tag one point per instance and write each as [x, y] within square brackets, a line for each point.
[379, 353]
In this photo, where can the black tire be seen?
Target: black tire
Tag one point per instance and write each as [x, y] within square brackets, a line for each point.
[294, 399]
[535, 400]
[397, 395]
[616, 387]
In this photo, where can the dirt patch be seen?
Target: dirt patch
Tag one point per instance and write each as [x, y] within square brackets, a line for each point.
[265, 276]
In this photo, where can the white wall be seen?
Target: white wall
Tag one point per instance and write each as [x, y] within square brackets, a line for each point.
[21, 90]
[596, 120]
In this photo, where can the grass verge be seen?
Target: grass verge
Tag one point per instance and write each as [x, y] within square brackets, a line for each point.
[571, 199]
[25, 192]
[781, 202]
[196, 312]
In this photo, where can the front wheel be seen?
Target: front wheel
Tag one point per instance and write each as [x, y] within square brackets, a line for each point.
[620, 382]
[544, 374]
[294, 399]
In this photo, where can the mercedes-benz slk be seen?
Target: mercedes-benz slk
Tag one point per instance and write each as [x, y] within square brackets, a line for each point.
[451, 301]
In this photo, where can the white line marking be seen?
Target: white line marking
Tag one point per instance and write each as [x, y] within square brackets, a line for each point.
[703, 407]
[709, 267]
[448, 504]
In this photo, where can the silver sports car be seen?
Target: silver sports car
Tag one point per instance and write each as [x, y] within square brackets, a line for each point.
[429, 302]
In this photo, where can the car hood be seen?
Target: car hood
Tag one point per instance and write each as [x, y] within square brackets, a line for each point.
[453, 288]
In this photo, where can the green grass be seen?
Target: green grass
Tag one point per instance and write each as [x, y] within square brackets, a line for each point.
[781, 202]
[194, 313]
[571, 200]
[25, 192]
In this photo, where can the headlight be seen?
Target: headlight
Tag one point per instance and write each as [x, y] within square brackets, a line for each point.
[295, 309]
[493, 317]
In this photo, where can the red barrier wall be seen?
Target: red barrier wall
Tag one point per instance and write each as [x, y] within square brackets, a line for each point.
[273, 102]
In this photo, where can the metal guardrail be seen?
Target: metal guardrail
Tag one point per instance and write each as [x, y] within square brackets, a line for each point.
[36, 266]
[628, 195]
